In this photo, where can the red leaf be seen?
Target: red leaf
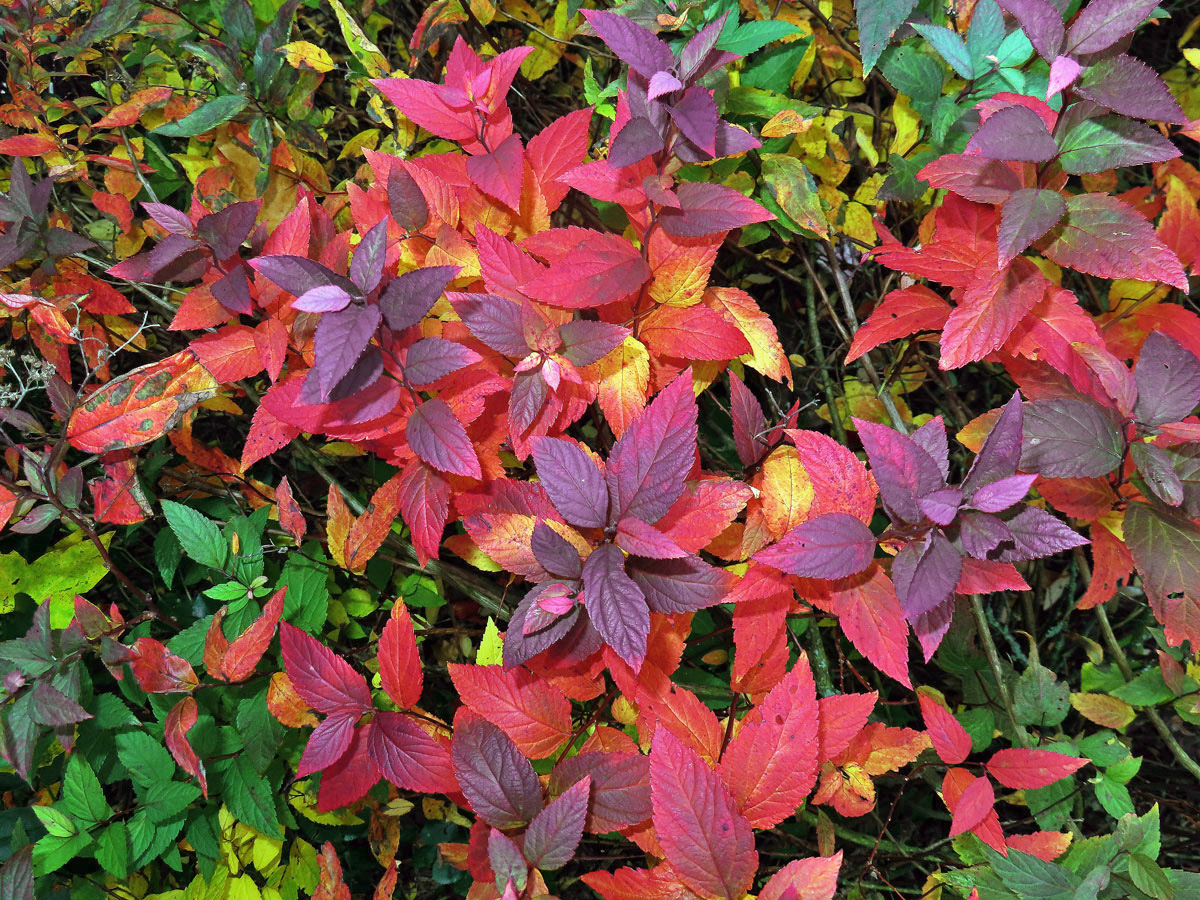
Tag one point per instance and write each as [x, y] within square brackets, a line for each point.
[974, 177]
[903, 312]
[599, 269]
[158, 670]
[706, 208]
[271, 341]
[992, 307]
[1018, 769]
[973, 806]
[530, 710]
[325, 681]
[842, 717]
[814, 878]
[425, 506]
[180, 719]
[348, 780]
[290, 516]
[331, 885]
[400, 670]
[327, 743]
[692, 332]
[247, 649]
[771, 765]
[871, 618]
[499, 174]
[440, 439]
[987, 829]
[230, 353]
[368, 531]
[409, 756]
[560, 147]
[950, 739]
[708, 843]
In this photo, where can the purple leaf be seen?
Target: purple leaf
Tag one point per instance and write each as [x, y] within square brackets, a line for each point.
[637, 538]
[525, 400]
[636, 140]
[734, 141]
[616, 605]
[1185, 460]
[408, 298]
[973, 177]
[323, 298]
[833, 545]
[696, 115]
[981, 533]
[1110, 142]
[709, 209]
[1026, 216]
[931, 627]
[405, 200]
[298, 275]
[552, 836]
[498, 781]
[170, 218]
[1154, 465]
[925, 575]
[1168, 380]
[366, 268]
[680, 585]
[432, 358]
[232, 291]
[494, 320]
[650, 463]
[362, 375]
[931, 437]
[507, 863]
[555, 553]
[587, 342]
[700, 54]
[749, 423]
[1036, 533]
[903, 470]
[1070, 438]
[663, 83]
[941, 506]
[1130, 87]
[1104, 22]
[575, 485]
[436, 435]
[520, 647]
[1166, 550]
[1014, 133]
[620, 793]
[340, 340]
[999, 495]
[1000, 454]
[1042, 23]
[408, 755]
[638, 47]
[225, 231]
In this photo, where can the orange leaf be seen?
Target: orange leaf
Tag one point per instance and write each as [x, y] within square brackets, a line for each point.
[337, 527]
[180, 719]
[247, 649]
[370, 529]
[787, 491]
[286, 705]
[290, 516]
[158, 670]
[331, 886]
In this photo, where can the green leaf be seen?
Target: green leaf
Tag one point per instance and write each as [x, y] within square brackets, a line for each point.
[1113, 796]
[794, 191]
[911, 72]
[206, 118]
[53, 852]
[877, 22]
[307, 598]
[1109, 142]
[1039, 699]
[1031, 878]
[199, 536]
[747, 37]
[146, 759]
[56, 822]
[167, 555]
[772, 70]
[1146, 689]
[260, 730]
[249, 797]
[167, 799]
[112, 850]
[949, 46]
[1149, 878]
[1124, 770]
[985, 35]
[82, 794]
[227, 592]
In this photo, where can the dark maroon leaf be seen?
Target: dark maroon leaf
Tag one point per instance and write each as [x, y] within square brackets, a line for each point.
[405, 200]
[926, 574]
[696, 115]
[637, 538]
[432, 358]
[1166, 550]
[408, 298]
[615, 604]
[706, 208]
[340, 340]
[16, 875]
[575, 485]
[553, 835]
[496, 779]
[620, 794]
[1026, 216]
[749, 422]
[636, 46]
[1104, 22]
[1154, 465]
[834, 545]
[1070, 438]
[1014, 133]
[1168, 381]
[520, 647]
[52, 707]
[366, 268]
[1130, 87]
[408, 756]
[650, 463]
[437, 437]
[232, 290]
[636, 140]
[362, 375]
[1036, 533]
[1000, 454]
[555, 553]
[1042, 23]
[225, 231]
[298, 275]
[584, 343]
[680, 585]
[494, 320]
[931, 437]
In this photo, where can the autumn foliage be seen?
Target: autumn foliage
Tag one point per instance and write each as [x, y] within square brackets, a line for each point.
[520, 465]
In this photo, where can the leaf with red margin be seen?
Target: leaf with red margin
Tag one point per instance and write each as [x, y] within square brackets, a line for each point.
[708, 843]
[771, 765]
[706, 208]
[973, 806]
[903, 312]
[425, 506]
[409, 756]
[327, 743]
[324, 680]
[693, 333]
[871, 618]
[950, 740]
[438, 438]
[534, 714]
[180, 720]
[248, 648]
[813, 878]
[974, 177]
[290, 516]
[840, 481]
[331, 886]
[368, 531]
[556, 150]
[991, 309]
[400, 671]
[158, 670]
[1047, 845]
[600, 269]
[554, 833]
[1022, 769]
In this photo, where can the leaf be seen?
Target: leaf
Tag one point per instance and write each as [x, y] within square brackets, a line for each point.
[158, 670]
[340, 340]
[636, 46]
[793, 188]
[198, 536]
[303, 55]
[749, 422]
[1032, 878]
[1022, 769]
[408, 298]
[1103, 709]
[400, 671]
[974, 177]
[1168, 380]
[406, 202]
[425, 505]
[1042, 23]
[507, 863]
[571, 479]
[637, 538]
[326, 682]
[877, 22]
[1025, 217]
[771, 765]
[949, 46]
[82, 793]
[870, 616]
[991, 309]
[1111, 142]
[1166, 549]
[1014, 133]
[833, 545]
[813, 878]
[973, 806]
[708, 844]
[499, 173]
[679, 585]
[140, 406]
[602, 269]
[692, 332]
[696, 115]
[531, 711]
[616, 605]
[554, 833]
[206, 118]
[706, 208]
[950, 740]
[1036, 533]
[1070, 438]
[290, 517]
[247, 649]
[1105, 22]
[438, 438]
[496, 779]
[147, 760]
[409, 756]
[903, 312]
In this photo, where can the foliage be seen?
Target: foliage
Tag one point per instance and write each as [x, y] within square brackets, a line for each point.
[420, 483]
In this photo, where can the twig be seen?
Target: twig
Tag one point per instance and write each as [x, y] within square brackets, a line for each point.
[989, 649]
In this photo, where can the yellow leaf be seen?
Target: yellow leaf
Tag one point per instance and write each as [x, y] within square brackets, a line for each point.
[624, 383]
[491, 647]
[787, 491]
[1104, 710]
[303, 55]
[785, 122]
[243, 888]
